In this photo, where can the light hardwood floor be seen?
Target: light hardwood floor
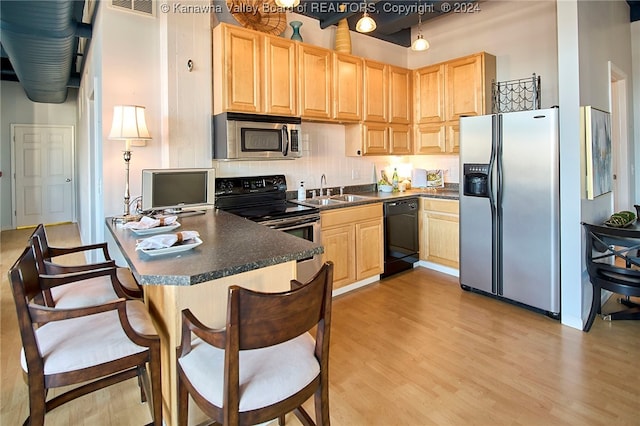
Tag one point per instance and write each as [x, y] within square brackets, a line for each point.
[413, 349]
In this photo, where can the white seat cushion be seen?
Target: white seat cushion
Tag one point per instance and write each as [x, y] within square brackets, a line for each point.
[87, 341]
[94, 291]
[127, 279]
[267, 375]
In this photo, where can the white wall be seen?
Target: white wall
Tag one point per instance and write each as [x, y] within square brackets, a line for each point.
[186, 95]
[16, 108]
[572, 286]
[605, 36]
[590, 35]
[635, 53]
[130, 75]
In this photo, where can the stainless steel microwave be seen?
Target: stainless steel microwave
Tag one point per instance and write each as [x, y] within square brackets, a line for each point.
[256, 137]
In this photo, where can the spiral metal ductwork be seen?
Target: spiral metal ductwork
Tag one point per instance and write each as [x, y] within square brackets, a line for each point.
[40, 39]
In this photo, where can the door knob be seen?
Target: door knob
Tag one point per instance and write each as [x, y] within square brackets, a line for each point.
[68, 180]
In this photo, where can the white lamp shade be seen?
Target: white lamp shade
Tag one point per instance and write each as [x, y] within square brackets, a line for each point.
[366, 24]
[129, 123]
[420, 44]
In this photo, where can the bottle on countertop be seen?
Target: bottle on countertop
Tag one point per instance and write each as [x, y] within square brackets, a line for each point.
[394, 179]
[302, 194]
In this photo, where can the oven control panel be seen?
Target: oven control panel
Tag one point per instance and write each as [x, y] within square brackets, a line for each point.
[248, 185]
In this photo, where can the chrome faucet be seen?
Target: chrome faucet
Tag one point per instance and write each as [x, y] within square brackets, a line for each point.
[322, 178]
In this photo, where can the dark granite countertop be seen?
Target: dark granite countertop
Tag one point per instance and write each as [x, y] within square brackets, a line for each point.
[231, 245]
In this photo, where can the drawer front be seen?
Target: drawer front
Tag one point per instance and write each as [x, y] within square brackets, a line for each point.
[444, 206]
[341, 216]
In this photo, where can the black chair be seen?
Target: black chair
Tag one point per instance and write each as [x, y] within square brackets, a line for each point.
[611, 255]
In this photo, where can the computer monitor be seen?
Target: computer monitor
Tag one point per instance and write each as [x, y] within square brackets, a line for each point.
[175, 190]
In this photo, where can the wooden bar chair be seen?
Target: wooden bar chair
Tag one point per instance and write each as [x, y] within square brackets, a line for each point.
[265, 362]
[91, 347]
[604, 246]
[77, 294]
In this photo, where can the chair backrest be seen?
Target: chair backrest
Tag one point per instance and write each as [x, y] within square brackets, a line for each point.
[612, 253]
[36, 244]
[25, 286]
[40, 235]
[257, 319]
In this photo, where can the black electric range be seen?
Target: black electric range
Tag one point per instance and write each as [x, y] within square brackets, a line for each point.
[259, 198]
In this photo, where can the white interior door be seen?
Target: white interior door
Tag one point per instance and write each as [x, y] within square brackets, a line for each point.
[43, 174]
[619, 140]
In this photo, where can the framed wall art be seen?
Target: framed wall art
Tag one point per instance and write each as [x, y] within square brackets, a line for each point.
[598, 161]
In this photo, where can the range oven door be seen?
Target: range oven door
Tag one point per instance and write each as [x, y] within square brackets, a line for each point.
[307, 227]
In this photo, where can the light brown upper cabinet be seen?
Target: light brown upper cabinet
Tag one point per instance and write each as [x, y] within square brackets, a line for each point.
[400, 139]
[280, 74]
[315, 76]
[376, 91]
[253, 72]
[400, 95]
[429, 82]
[467, 91]
[237, 65]
[347, 87]
[444, 93]
[388, 100]
[366, 139]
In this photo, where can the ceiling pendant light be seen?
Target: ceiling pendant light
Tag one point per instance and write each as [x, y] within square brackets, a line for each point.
[287, 3]
[366, 24]
[420, 43]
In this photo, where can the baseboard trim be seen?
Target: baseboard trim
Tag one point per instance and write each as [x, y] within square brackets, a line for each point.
[356, 285]
[440, 268]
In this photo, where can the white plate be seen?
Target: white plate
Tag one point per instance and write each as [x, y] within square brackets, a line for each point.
[156, 230]
[187, 245]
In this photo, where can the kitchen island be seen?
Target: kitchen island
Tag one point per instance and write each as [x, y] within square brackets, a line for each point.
[233, 251]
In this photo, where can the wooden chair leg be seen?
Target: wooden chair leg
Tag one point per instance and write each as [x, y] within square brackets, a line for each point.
[321, 402]
[281, 420]
[37, 404]
[183, 403]
[595, 305]
[143, 395]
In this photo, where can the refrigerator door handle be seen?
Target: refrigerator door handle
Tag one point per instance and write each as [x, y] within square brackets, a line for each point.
[492, 164]
[499, 198]
[493, 168]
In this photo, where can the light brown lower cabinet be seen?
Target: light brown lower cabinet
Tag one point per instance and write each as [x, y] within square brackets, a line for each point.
[353, 240]
[439, 231]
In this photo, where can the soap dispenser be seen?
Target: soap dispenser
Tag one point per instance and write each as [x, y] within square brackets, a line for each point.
[302, 194]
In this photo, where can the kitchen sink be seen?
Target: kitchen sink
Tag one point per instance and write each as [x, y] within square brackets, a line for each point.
[321, 202]
[333, 200]
[350, 198]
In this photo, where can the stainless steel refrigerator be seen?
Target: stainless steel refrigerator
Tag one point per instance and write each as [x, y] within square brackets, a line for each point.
[509, 207]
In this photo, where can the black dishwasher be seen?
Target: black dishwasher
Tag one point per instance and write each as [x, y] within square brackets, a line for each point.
[400, 235]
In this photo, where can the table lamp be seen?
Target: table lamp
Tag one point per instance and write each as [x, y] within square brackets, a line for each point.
[128, 125]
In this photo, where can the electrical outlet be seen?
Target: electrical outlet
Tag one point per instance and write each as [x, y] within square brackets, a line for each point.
[355, 174]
